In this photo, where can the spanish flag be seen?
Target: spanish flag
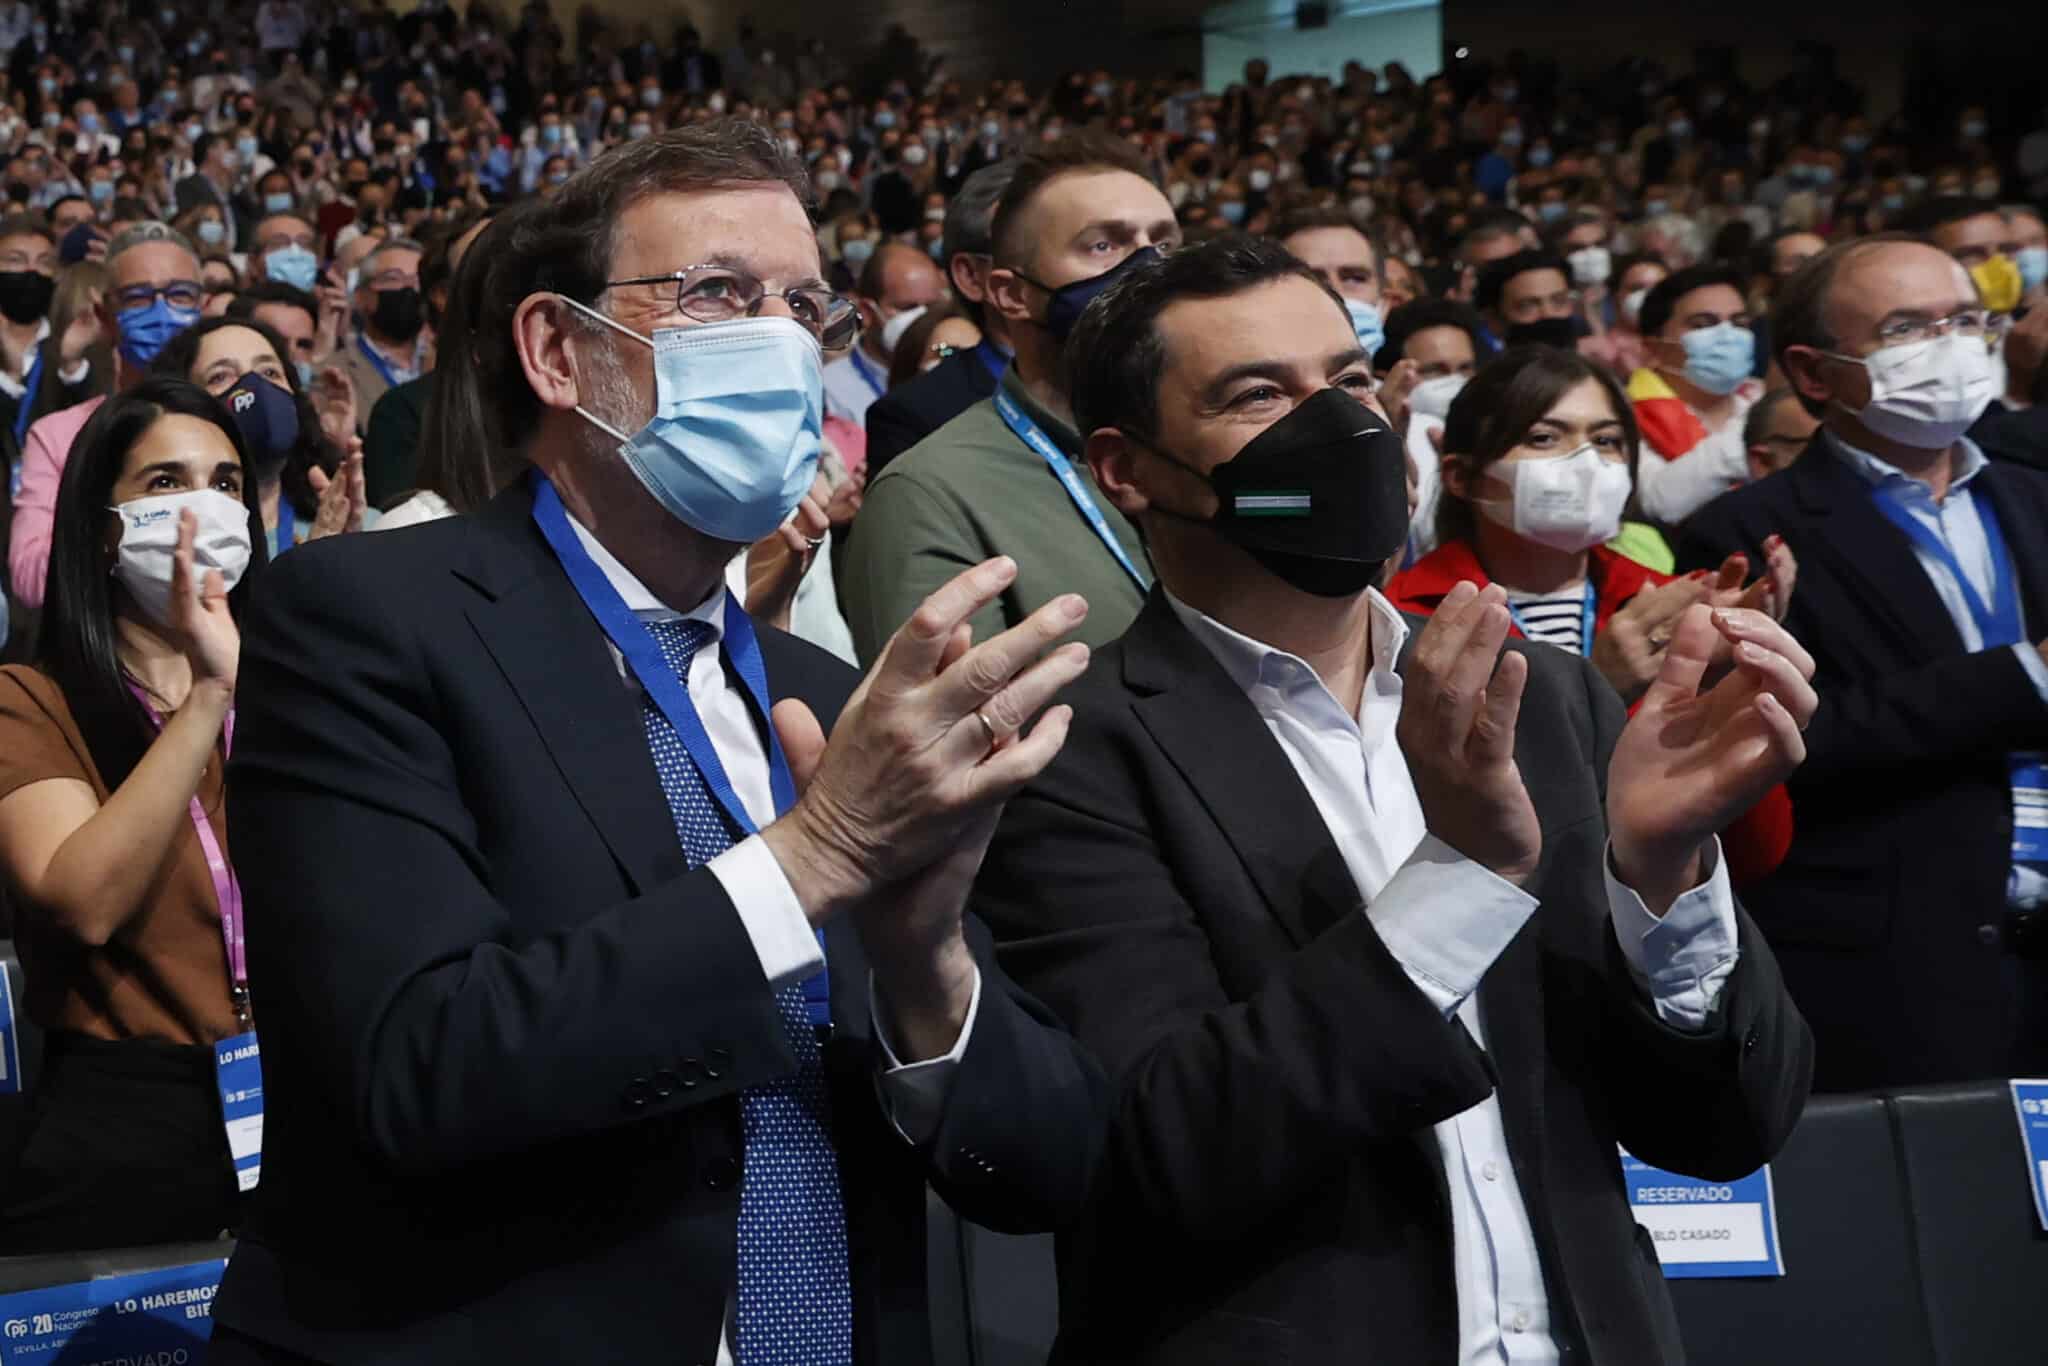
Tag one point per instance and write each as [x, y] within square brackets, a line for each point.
[1668, 425]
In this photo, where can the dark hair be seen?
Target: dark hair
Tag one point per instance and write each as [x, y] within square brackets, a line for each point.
[464, 463]
[1798, 317]
[27, 225]
[1087, 150]
[76, 644]
[1663, 298]
[181, 353]
[1116, 356]
[1493, 281]
[437, 268]
[273, 292]
[907, 361]
[1498, 406]
[1308, 219]
[1421, 314]
[1924, 218]
[1763, 254]
[1628, 261]
[1759, 418]
[563, 244]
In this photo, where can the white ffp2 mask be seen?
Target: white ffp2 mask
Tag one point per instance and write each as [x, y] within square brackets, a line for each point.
[149, 543]
[1570, 503]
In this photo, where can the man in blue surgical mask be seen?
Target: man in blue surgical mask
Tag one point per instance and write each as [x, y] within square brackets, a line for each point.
[652, 1005]
[1693, 396]
[1005, 478]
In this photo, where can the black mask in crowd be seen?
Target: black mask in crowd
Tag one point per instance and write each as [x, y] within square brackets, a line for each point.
[1558, 332]
[1320, 498]
[399, 314]
[25, 295]
[1070, 301]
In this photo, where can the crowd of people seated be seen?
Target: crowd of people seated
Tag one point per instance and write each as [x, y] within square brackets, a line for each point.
[1414, 630]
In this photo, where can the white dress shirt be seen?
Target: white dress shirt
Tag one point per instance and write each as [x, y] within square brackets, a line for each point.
[852, 383]
[1955, 523]
[1673, 490]
[1445, 919]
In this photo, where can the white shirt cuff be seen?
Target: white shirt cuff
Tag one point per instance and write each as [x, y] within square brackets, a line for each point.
[914, 1094]
[1683, 959]
[2036, 667]
[76, 372]
[1445, 919]
[774, 919]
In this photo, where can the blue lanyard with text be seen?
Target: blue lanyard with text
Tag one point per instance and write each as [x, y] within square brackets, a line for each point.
[636, 645]
[287, 522]
[992, 360]
[29, 387]
[1585, 622]
[370, 354]
[1031, 435]
[1998, 621]
[877, 382]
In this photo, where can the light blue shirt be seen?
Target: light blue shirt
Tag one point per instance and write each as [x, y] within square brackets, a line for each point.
[1446, 919]
[1955, 522]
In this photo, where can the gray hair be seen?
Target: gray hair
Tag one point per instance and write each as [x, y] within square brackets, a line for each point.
[389, 244]
[142, 234]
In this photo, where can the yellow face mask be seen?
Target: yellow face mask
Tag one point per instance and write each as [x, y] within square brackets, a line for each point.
[1999, 285]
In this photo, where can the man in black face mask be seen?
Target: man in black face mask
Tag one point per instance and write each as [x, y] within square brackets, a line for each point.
[390, 350]
[1006, 476]
[1378, 1012]
[28, 280]
[1528, 300]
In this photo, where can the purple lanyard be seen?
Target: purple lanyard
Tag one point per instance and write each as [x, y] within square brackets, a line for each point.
[226, 890]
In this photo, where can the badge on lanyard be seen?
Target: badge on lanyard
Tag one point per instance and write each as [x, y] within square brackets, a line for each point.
[10, 1041]
[2030, 1103]
[239, 1069]
[1706, 1229]
[2029, 770]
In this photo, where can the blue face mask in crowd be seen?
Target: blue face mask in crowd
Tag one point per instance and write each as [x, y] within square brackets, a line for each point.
[147, 330]
[1720, 357]
[279, 202]
[100, 191]
[1551, 211]
[212, 232]
[1366, 322]
[2033, 264]
[1656, 208]
[1070, 301]
[739, 411]
[268, 418]
[293, 265]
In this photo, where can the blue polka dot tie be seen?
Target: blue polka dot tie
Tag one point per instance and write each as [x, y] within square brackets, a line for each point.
[795, 1305]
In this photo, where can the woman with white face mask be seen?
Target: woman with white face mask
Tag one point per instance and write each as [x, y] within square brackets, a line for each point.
[1537, 452]
[113, 832]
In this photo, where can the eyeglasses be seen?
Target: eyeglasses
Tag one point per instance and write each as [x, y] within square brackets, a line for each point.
[181, 294]
[1968, 322]
[393, 279]
[717, 294]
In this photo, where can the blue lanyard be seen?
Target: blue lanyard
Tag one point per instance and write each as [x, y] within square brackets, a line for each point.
[992, 360]
[1998, 621]
[1031, 435]
[287, 522]
[636, 645]
[28, 397]
[876, 382]
[370, 354]
[1585, 621]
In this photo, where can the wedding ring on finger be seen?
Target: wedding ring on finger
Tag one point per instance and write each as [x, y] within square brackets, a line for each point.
[990, 728]
[811, 544]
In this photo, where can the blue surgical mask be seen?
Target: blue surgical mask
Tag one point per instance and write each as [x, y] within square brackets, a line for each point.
[1539, 157]
[1823, 176]
[1550, 211]
[293, 265]
[88, 123]
[305, 369]
[551, 133]
[2033, 264]
[1233, 212]
[278, 202]
[1655, 208]
[194, 131]
[738, 423]
[1366, 322]
[885, 118]
[1720, 357]
[856, 252]
[100, 191]
[212, 232]
[147, 330]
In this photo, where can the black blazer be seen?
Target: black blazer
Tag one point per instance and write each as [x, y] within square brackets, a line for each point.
[911, 412]
[2019, 435]
[1886, 911]
[504, 1032]
[1273, 1190]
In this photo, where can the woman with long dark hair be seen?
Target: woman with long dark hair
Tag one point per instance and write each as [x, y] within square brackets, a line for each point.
[304, 486]
[113, 831]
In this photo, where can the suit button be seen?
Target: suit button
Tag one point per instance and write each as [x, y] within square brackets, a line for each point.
[638, 1093]
[691, 1071]
[665, 1083]
[721, 1173]
[1987, 935]
[717, 1062]
[1749, 1042]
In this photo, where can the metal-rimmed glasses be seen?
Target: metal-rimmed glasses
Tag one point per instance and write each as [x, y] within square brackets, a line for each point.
[717, 294]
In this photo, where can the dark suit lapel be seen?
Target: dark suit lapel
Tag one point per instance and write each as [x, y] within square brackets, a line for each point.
[555, 658]
[1212, 734]
[1868, 552]
[2021, 519]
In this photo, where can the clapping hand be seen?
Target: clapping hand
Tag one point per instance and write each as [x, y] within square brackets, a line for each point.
[200, 620]
[1689, 762]
[343, 499]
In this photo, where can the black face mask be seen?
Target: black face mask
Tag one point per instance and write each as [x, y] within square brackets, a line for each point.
[1557, 332]
[25, 295]
[1320, 498]
[399, 314]
[1070, 301]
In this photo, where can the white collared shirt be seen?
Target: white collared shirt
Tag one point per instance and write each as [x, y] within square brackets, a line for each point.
[1445, 919]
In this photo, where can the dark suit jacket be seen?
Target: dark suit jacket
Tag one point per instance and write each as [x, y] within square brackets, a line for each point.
[2018, 435]
[1886, 911]
[1273, 1190]
[504, 1032]
[911, 412]
[391, 442]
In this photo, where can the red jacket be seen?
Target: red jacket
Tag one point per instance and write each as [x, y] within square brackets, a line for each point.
[1756, 843]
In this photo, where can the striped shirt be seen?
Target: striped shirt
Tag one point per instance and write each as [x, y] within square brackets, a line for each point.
[1554, 618]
